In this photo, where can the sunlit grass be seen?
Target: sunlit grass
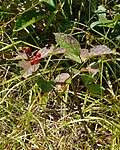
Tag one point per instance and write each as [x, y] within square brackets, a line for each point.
[73, 118]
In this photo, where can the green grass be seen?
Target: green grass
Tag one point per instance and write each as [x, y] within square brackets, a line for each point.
[74, 118]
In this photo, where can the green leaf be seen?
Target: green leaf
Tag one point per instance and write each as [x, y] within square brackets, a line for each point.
[44, 99]
[87, 79]
[95, 24]
[67, 42]
[117, 17]
[73, 57]
[102, 14]
[95, 89]
[44, 85]
[117, 7]
[27, 19]
[50, 2]
[50, 18]
[103, 21]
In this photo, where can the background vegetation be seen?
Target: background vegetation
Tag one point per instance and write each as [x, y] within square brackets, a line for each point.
[66, 104]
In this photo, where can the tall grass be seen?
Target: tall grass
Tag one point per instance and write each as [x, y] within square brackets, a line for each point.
[74, 118]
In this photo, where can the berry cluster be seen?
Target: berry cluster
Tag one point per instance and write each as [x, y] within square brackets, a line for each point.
[35, 59]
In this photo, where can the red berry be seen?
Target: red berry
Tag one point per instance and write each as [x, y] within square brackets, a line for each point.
[28, 50]
[32, 62]
[63, 87]
[38, 54]
[34, 57]
[36, 60]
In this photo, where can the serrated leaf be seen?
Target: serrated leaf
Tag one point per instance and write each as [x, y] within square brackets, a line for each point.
[27, 19]
[100, 50]
[67, 42]
[61, 78]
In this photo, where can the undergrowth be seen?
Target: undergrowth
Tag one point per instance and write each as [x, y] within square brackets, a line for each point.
[69, 99]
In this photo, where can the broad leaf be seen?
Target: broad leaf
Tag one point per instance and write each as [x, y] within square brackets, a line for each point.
[84, 54]
[50, 51]
[102, 14]
[61, 78]
[73, 57]
[100, 50]
[44, 84]
[87, 79]
[94, 68]
[103, 21]
[28, 68]
[27, 19]
[67, 42]
[50, 2]
[95, 89]
[22, 56]
[24, 64]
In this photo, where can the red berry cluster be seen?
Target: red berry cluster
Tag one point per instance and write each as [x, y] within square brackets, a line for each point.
[35, 59]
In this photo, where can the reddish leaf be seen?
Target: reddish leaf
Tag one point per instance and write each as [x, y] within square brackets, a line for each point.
[100, 50]
[84, 54]
[22, 56]
[27, 67]
[62, 77]
[92, 70]
[24, 64]
[31, 69]
[94, 67]
[58, 86]
[50, 51]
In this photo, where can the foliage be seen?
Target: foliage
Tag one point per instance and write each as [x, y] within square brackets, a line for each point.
[59, 74]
